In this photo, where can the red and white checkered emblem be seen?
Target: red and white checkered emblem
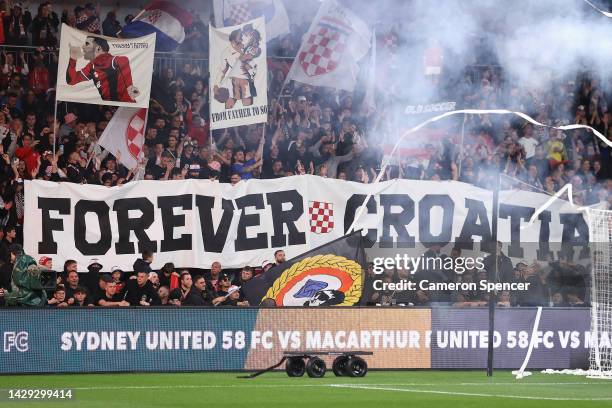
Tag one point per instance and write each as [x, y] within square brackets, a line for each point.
[134, 135]
[321, 217]
[239, 13]
[153, 16]
[322, 51]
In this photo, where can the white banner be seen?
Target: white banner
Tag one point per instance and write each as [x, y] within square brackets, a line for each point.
[336, 41]
[104, 70]
[238, 75]
[195, 222]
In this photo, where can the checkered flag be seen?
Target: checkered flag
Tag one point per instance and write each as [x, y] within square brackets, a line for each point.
[321, 217]
[336, 41]
[239, 13]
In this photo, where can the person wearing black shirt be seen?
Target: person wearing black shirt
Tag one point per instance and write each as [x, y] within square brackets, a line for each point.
[140, 291]
[505, 271]
[74, 171]
[6, 273]
[225, 283]
[110, 298]
[184, 293]
[6, 270]
[198, 295]
[72, 285]
[232, 298]
[165, 274]
[143, 264]
[10, 233]
[59, 298]
[81, 299]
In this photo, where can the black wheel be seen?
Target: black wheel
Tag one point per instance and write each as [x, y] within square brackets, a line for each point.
[339, 365]
[356, 367]
[295, 367]
[315, 367]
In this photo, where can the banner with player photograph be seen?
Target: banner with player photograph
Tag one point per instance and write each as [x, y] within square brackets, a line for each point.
[238, 75]
[103, 70]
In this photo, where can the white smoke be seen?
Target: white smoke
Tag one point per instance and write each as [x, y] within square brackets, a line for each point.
[533, 40]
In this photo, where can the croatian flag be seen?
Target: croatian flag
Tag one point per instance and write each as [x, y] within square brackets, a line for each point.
[165, 19]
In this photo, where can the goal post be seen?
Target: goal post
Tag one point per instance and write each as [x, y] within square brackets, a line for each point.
[600, 237]
[599, 353]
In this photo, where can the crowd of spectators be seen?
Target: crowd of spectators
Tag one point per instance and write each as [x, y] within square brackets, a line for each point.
[167, 287]
[310, 130]
[553, 283]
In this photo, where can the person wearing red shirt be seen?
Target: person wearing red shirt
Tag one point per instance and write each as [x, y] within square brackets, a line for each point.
[28, 154]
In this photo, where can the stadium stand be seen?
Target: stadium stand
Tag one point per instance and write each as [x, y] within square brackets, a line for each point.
[316, 131]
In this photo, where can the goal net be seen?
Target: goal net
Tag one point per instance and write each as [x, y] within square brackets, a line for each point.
[600, 230]
[600, 352]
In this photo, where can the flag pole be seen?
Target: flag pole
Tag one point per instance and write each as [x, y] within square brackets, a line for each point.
[495, 271]
[462, 141]
[137, 15]
[55, 128]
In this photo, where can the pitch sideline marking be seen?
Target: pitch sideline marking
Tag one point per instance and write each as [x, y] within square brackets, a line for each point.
[372, 386]
[466, 394]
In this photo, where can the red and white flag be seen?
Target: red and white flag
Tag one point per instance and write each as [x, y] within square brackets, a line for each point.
[331, 49]
[237, 12]
[124, 134]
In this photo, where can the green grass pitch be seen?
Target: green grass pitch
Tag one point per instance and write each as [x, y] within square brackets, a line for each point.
[378, 389]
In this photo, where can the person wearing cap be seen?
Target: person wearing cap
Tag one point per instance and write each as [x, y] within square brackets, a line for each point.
[233, 298]
[225, 282]
[97, 292]
[154, 279]
[117, 275]
[140, 291]
[266, 266]
[92, 279]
